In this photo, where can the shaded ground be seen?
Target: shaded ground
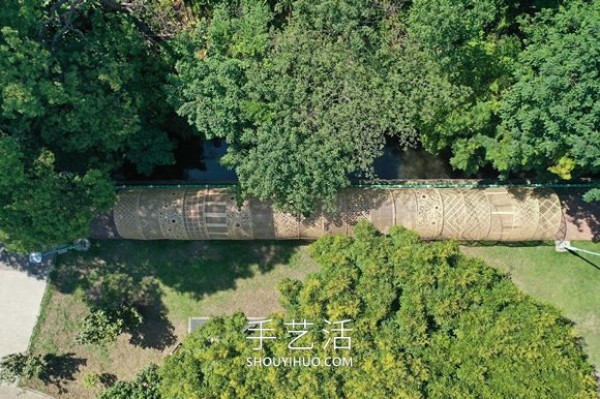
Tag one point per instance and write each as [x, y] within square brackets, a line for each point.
[583, 218]
[569, 282]
[196, 279]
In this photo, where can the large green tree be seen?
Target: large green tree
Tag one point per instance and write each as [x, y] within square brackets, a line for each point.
[304, 94]
[427, 322]
[83, 82]
[80, 94]
[551, 115]
[40, 205]
[527, 78]
[474, 45]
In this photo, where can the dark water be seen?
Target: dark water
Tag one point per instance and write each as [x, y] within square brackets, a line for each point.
[210, 169]
[399, 164]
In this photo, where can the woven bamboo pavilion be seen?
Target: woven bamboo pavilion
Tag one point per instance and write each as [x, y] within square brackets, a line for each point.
[466, 214]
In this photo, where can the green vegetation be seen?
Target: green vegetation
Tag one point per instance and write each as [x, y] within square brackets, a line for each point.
[427, 322]
[80, 94]
[305, 93]
[303, 98]
[40, 206]
[20, 365]
[145, 386]
[474, 48]
[569, 282]
[528, 83]
[551, 115]
[117, 303]
[195, 279]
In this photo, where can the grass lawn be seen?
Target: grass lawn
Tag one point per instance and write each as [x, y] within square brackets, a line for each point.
[567, 281]
[219, 278]
[196, 279]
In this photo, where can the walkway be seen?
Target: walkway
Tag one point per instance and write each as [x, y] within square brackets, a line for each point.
[582, 218]
[10, 392]
[21, 290]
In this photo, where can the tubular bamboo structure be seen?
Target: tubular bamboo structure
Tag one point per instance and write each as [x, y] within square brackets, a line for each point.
[487, 214]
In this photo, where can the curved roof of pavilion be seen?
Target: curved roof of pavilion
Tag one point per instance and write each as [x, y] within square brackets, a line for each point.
[486, 214]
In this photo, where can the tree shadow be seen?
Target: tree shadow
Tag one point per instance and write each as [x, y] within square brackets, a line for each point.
[353, 205]
[61, 368]
[104, 226]
[194, 268]
[524, 193]
[20, 262]
[156, 331]
[584, 217]
[108, 380]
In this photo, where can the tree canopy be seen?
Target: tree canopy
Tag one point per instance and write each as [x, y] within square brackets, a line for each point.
[475, 47]
[427, 322]
[551, 115]
[80, 93]
[305, 93]
[41, 206]
[529, 78]
[303, 99]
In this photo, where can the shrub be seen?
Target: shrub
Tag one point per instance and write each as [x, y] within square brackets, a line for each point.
[103, 326]
[21, 365]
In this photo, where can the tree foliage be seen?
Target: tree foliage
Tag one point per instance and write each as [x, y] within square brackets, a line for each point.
[40, 205]
[82, 70]
[427, 322]
[80, 94]
[305, 97]
[103, 326]
[145, 386]
[117, 302]
[475, 48]
[21, 365]
[551, 115]
[527, 78]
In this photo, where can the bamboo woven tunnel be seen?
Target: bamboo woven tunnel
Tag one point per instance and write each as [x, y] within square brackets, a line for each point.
[487, 214]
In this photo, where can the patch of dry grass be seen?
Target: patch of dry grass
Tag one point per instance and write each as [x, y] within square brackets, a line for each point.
[196, 279]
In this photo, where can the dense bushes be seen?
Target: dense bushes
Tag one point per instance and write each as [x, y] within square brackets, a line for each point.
[145, 386]
[427, 322]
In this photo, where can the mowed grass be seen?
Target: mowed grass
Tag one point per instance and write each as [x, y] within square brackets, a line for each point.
[196, 279]
[220, 278]
[569, 282]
